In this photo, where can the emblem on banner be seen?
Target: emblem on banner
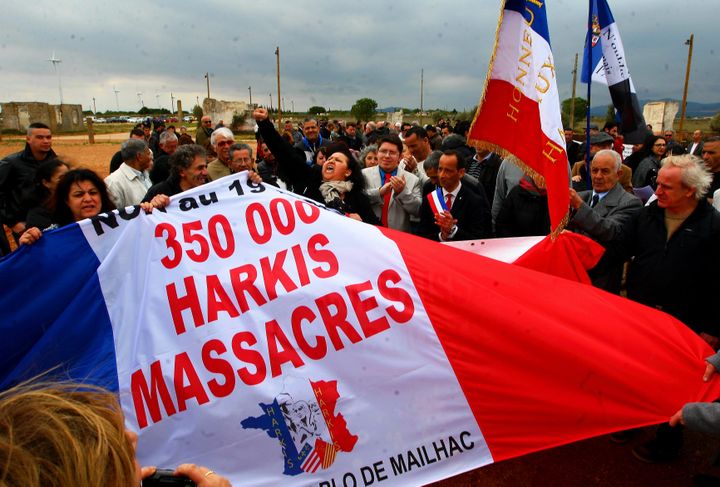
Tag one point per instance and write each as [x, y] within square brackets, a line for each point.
[596, 31]
[303, 418]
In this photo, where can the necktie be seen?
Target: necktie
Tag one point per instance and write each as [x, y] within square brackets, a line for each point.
[448, 201]
[386, 202]
[595, 200]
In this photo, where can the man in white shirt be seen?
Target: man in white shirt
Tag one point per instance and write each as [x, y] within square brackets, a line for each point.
[127, 186]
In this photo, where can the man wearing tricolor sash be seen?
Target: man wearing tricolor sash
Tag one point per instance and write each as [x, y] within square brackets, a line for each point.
[452, 211]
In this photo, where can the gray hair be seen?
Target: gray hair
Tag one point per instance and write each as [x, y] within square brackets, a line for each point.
[237, 147]
[610, 153]
[224, 131]
[432, 161]
[364, 153]
[167, 135]
[694, 173]
[372, 125]
[131, 148]
[184, 157]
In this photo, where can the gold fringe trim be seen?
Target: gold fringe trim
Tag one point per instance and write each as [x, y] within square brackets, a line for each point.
[491, 64]
[501, 151]
[560, 228]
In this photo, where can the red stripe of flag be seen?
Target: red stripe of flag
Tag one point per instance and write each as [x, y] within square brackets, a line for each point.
[544, 361]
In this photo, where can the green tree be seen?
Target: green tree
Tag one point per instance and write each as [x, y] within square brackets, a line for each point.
[316, 110]
[197, 112]
[364, 109]
[610, 115]
[580, 107]
[715, 123]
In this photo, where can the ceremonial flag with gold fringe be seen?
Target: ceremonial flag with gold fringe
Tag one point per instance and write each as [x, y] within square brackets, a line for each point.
[519, 111]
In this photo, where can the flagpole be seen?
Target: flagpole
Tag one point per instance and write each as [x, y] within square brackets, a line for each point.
[588, 55]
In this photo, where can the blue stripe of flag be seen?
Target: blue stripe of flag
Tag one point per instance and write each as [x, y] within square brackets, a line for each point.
[67, 327]
[531, 12]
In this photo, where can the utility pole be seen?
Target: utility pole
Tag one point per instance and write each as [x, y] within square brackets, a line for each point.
[157, 100]
[292, 105]
[94, 107]
[172, 102]
[689, 43]
[422, 89]
[572, 100]
[117, 102]
[271, 102]
[279, 112]
[250, 91]
[207, 78]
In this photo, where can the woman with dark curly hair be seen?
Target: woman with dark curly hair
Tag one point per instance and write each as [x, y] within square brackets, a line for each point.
[80, 194]
[338, 183]
[653, 152]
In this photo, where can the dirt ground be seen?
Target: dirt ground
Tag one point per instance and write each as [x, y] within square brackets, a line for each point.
[75, 152]
[78, 152]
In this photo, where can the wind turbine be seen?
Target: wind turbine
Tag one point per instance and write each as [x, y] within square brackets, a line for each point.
[55, 61]
[157, 100]
[117, 102]
[140, 100]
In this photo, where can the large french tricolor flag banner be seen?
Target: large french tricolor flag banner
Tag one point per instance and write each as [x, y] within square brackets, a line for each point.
[281, 343]
[519, 111]
[605, 62]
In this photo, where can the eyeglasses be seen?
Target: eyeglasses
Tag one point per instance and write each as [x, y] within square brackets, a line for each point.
[386, 152]
[224, 143]
[209, 122]
[659, 145]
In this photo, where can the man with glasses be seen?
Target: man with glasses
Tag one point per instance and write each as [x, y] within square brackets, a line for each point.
[395, 194]
[202, 137]
[241, 158]
[672, 143]
[220, 140]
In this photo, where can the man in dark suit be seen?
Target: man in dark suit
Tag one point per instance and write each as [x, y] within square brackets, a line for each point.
[696, 146]
[600, 214]
[463, 219]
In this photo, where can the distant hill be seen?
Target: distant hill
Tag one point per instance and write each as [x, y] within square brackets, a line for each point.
[388, 109]
[693, 109]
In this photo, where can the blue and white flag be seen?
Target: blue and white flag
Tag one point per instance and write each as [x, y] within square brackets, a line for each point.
[605, 56]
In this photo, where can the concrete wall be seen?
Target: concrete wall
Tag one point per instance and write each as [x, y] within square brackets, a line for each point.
[226, 110]
[660, 114]
[60, 118]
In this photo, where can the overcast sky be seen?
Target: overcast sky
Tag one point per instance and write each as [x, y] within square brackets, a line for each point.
[332, 53]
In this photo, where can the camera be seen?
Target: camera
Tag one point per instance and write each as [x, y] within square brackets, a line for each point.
[166, 478]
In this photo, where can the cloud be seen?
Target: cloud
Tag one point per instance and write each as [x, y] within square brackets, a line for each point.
[332, 53]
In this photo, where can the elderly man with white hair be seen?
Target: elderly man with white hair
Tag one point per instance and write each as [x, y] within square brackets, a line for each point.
[221, 139]
[600, 214]
[674, 243]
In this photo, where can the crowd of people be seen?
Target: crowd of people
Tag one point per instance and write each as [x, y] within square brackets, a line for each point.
[652, 209]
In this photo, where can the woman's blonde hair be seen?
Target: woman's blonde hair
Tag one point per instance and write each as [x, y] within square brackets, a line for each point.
[54, 434]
